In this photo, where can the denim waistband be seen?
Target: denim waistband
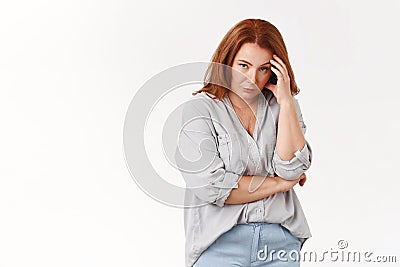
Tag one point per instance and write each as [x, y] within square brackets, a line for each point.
[256, 223]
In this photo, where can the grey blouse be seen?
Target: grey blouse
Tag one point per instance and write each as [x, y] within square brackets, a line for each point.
[214, 150]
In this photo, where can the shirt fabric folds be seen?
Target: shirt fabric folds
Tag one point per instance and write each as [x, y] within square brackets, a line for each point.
[214, 150]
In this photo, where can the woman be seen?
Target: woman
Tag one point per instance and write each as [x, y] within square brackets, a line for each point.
[241, 150]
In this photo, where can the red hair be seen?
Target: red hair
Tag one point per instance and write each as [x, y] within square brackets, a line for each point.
[258, 31]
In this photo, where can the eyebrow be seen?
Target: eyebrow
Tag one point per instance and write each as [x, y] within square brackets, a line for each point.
[252, 64]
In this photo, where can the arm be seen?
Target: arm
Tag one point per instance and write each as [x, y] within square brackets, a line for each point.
[292, 155]
[269, 186]
[197, 156]
[290, 137]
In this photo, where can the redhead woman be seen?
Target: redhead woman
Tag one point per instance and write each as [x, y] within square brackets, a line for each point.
[242, 151]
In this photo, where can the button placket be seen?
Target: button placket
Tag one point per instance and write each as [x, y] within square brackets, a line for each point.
[255, 155]
[260, 209]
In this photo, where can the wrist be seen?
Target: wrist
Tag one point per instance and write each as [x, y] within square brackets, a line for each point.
[277, 185]
[286, 102]
[272, 185]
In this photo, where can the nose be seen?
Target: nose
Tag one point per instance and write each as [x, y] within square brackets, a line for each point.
[252, 77]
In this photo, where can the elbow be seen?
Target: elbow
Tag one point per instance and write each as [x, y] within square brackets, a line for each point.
[224, 188]
[292, 169]
[213, 195]
[289, 174]
[215, 189]
[206, 195]
[221, 200]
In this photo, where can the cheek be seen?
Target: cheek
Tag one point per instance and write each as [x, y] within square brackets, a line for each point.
[266, 77]
[237, 76]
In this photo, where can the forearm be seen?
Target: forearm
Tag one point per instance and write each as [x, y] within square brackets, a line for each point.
[290, 138]
[242, 195]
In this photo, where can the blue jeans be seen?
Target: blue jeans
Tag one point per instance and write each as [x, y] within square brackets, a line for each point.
[251, 245]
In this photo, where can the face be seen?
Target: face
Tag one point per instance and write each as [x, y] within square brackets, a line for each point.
[251, 71]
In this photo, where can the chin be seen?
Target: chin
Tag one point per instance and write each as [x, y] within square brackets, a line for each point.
[249, 96]
[246, 94]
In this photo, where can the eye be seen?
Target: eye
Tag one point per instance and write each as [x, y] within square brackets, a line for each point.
[242, 65]
[264, 69]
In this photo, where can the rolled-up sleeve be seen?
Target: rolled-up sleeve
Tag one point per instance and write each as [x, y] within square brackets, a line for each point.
[197, 157]
[301, 162]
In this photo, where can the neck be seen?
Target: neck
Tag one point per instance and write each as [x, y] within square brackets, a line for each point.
[240, 103]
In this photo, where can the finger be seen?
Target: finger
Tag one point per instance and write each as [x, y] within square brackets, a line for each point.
[302, 181]
[302, 175]
[277, 72]
[278, 64]
[275, 57]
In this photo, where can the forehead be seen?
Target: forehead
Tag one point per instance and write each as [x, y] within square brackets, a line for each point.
[251, 51]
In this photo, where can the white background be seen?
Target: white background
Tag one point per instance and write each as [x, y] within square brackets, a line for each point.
[69, 69]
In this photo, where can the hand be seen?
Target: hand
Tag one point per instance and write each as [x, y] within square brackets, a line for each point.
[303, 180]
[284, 185]
[281, 90]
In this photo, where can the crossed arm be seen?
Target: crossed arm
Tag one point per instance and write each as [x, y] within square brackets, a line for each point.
[291, 148]
[269, 186]
[218, 186]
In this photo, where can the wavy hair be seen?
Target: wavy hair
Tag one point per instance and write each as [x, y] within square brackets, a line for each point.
[258, 31]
